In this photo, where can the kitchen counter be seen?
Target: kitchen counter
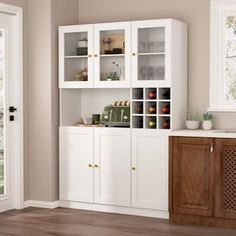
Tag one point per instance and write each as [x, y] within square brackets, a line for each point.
[205, 133]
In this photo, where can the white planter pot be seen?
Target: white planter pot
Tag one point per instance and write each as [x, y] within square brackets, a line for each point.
[207, 124]
[192, 124]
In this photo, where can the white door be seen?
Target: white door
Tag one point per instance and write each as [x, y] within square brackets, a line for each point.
[150, 169]
[76, 56]
[76, 164]
[112, 166]
[151, 53]
[10, 110]
[112, 48]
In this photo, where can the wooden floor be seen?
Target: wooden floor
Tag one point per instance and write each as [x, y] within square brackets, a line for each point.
[37, 222]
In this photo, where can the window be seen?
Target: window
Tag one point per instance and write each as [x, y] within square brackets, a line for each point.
[223, 56]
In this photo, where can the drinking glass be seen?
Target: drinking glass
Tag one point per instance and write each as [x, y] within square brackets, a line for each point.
[143, 72]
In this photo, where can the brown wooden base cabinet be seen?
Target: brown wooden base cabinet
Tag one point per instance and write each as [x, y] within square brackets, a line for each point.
[203, 181]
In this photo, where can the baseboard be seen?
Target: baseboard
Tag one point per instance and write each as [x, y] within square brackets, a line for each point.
[115, 209]
[41, 204]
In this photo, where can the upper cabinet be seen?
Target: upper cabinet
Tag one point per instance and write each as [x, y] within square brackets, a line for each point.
[112, 49]
[75, 56]
[151, 44]
[151, 53]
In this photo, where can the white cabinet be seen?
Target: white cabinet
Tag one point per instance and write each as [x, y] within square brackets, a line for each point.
[75, 67]
[112, 157]
[105, 62]
[159, 52]
[150, 169]
[158, 49]
[112, 48]
[76, 162]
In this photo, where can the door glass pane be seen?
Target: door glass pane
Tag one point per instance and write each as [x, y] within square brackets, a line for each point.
[112, 55]
[76, 56]
[151, 53]
[230, 68]
[2, 157]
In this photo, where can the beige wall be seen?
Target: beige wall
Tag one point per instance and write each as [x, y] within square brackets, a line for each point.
[195, 13]
[63, 12]
[43, 98]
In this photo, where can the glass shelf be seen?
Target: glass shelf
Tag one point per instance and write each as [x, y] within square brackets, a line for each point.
[151, 53]
[112, 55]
[76, 57]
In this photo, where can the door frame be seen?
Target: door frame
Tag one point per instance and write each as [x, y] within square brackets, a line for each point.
[17, 178]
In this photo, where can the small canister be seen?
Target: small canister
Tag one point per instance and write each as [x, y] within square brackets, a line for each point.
[82, 47]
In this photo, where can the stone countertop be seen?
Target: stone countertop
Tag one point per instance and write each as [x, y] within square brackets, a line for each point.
[204, 133]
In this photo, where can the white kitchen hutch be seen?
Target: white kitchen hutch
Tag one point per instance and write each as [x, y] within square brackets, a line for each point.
[122, 170]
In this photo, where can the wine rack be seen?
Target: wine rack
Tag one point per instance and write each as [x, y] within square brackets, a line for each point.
[151, 108]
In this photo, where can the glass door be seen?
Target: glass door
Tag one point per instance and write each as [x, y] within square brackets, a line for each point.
[112, 55]
[76, 61]
[150, 53]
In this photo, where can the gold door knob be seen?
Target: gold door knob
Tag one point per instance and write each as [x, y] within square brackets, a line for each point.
[134, 54]
[133, 168]
[90, 165]
[96, 166]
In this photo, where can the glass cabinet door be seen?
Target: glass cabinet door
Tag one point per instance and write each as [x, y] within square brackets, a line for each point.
[150, 53]
[112, 54]
[76, 61]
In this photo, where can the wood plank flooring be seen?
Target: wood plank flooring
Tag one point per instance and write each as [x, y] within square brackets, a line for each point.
[60, 221]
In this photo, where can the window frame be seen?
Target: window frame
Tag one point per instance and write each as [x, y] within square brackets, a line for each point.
[219, 10]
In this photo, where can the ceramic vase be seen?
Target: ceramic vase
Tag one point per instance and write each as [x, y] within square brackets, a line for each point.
[207, 125]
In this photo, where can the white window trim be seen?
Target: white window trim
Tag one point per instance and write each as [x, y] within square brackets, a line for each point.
[217, 104]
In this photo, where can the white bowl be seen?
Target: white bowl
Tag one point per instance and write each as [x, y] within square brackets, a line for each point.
[192, 124]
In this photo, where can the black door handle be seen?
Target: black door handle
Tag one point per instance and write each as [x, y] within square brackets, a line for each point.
[12, 109]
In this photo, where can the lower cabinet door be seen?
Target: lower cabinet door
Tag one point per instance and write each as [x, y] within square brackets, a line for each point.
[76, 164]
[112, 166]
[225, 178]
[191, 168]
[149, 170]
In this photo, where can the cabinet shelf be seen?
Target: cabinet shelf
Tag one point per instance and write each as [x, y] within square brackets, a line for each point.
[112, 55]
[151, 53]
[76, 57]
[164, 115]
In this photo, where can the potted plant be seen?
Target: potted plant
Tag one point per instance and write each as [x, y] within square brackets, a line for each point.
[207, 121]
[193, 121]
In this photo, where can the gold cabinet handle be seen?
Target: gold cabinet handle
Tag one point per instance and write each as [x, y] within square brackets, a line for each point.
[133, 168]
[134, 54]
[96, 166]
[89, 55]
[96, 55]
[90, 165]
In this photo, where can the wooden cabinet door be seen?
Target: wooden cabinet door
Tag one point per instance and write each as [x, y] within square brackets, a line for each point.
[225, 178]
[76, 162]
[112, 166]
[150, 170]
[191, 167]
